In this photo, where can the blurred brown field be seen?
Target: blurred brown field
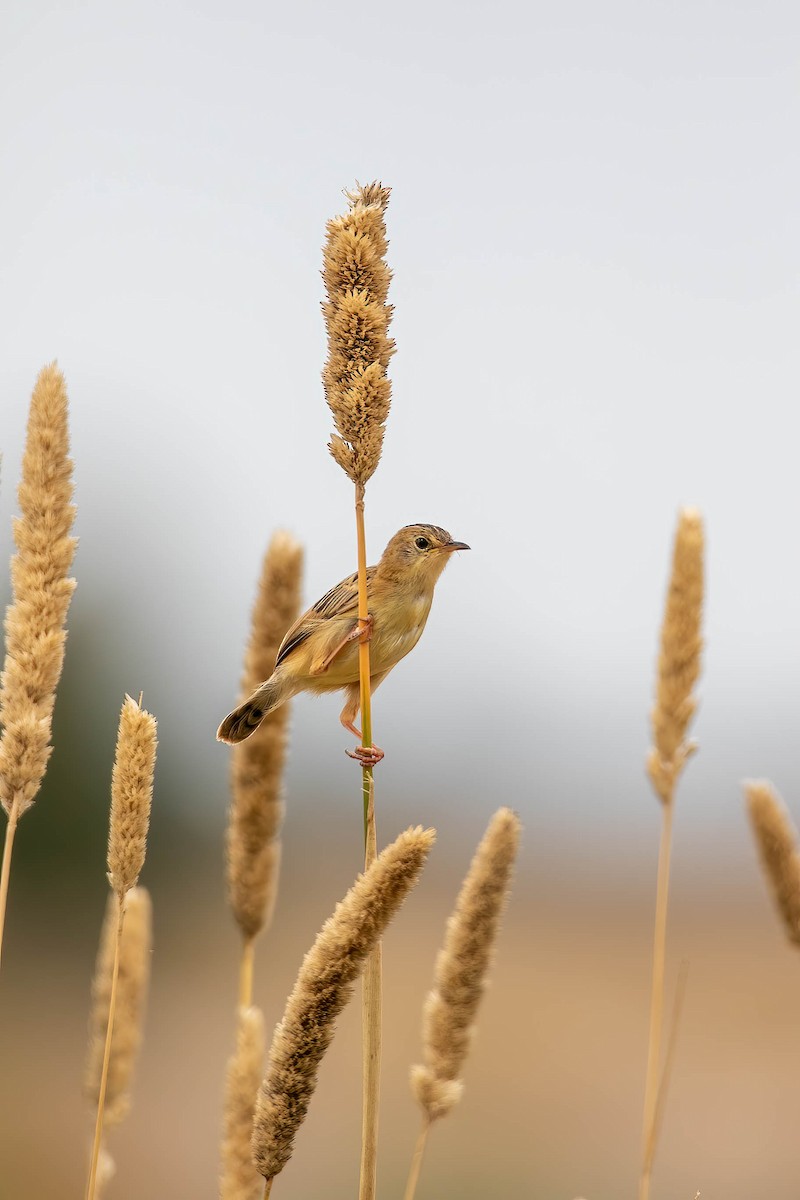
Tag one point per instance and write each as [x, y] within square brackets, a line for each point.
[554, 1084]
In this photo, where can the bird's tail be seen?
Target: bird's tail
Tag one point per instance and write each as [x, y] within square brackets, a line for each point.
[246, 719]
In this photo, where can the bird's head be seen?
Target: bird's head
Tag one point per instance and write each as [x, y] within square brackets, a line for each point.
[418, 554]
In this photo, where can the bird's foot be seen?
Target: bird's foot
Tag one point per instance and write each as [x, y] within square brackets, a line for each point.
[366, 756]
[365, 627]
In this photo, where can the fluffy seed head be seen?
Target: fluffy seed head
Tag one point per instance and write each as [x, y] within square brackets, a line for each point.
[462, 967]
[131, 795]
[324, 985]
[679, 660]
[778, 847]
[34, 624]
[239, 1179]
[357, 319]
[256, 813]
[132, 984]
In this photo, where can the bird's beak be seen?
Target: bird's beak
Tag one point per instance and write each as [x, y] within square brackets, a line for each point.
[455, 546]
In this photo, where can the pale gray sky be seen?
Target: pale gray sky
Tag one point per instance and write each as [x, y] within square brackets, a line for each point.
[594, 238]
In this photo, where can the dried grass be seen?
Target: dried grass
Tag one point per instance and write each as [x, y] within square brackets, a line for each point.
[131, 795]
[323, 987]
[357, 319]
[256, 813]
[778, 846]
[34, 623]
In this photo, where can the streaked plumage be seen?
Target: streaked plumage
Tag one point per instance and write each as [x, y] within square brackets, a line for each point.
[320, 651]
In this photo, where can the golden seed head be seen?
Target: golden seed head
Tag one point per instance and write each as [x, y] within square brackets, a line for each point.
[239, 1179]
[679, 659]
[778, 847]
[357, 319]
[323, 987]
[134, 975]
[256, 813]
[131, 795]
[462, 967]
[34, 624]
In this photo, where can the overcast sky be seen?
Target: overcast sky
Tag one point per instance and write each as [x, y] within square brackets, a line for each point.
[594, 238]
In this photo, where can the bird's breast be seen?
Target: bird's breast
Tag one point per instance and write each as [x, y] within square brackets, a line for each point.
[397, 630]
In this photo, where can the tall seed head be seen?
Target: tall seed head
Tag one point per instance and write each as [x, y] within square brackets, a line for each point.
[240, 1180]
[131, 795]
[357, 319]
[324, 985]
[778, 847]
[462, 966]
[256, 813]
[679, 660]
[34, 624]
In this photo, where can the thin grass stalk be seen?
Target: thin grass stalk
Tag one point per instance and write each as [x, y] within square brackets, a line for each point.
[416, 1162]
[246, 973]
[363, 666]
[371, 994]
[5, 873]
[656, 999]
[98, 1128]
[663, 1087]
[267, 1188]
[371, 1024]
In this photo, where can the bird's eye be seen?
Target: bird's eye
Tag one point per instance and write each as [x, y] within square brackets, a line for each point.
[421, 543]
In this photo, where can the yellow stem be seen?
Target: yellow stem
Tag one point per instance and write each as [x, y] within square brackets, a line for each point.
[663, 1086]
[5, 874]
[363, 652]
[246, 973]
[371, 995]
[267, 1188]
[416, 1162]
[101, 1100]
[656, 1000]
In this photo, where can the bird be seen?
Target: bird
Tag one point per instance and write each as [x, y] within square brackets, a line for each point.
[320, 651]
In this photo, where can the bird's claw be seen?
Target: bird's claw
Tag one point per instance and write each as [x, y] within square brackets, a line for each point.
[365, 627]
[366, 756]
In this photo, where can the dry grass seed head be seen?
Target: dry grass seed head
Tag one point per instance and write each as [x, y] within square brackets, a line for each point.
[679, 658]
[323, 987]
[132, 984]
[131, 795]
[357, 319]
[256, 813]
[777, 843]
[240, 1180]
[462, 966]
[34, 623]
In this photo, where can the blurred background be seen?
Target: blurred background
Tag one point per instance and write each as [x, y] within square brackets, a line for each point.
[594, 238]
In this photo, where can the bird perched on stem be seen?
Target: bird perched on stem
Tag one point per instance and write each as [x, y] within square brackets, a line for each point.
[320, 651]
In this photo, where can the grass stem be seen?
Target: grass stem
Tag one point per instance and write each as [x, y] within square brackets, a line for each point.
[372, 986]
[5, 874]
[416, 1162]
[656, 1000]
[98, 1128]
[246, 973]
[267, 1188]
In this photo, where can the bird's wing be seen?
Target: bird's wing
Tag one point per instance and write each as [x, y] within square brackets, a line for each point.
[340, 601]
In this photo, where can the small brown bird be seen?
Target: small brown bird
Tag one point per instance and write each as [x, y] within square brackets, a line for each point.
[320, 651]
